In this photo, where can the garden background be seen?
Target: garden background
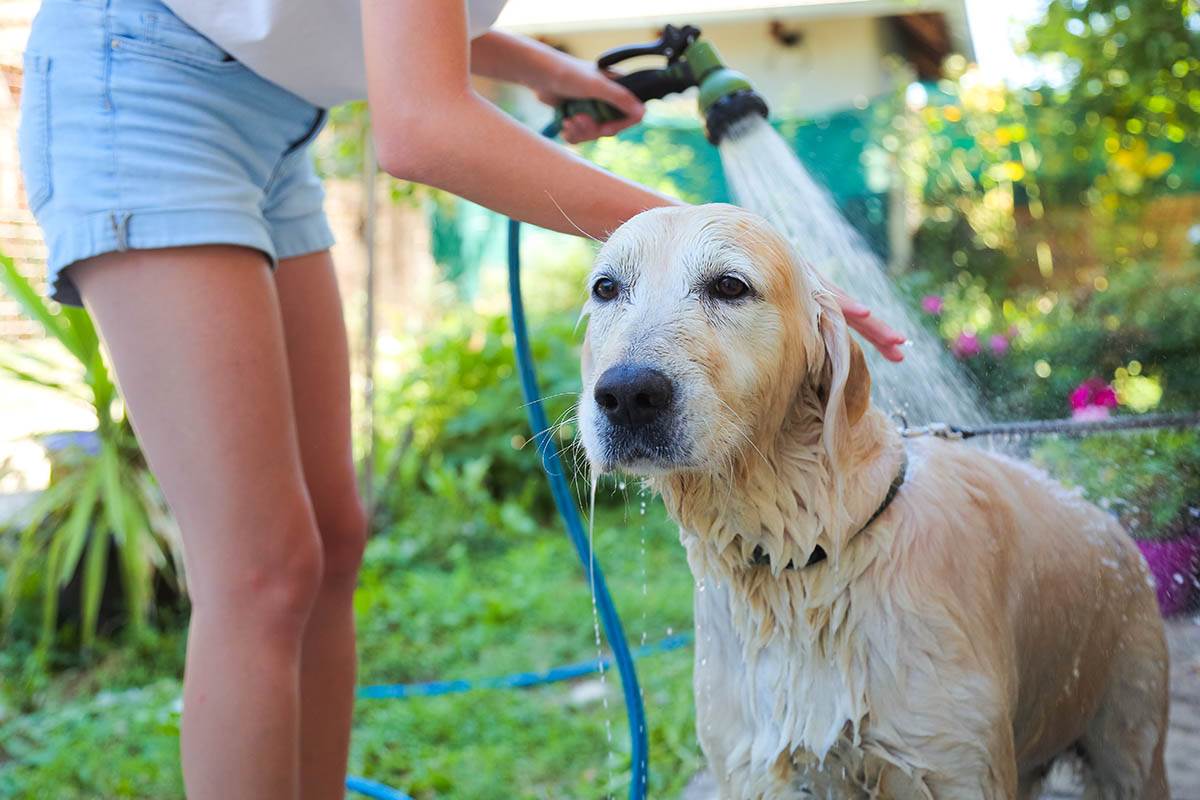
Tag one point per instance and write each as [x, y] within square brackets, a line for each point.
[1053, 242]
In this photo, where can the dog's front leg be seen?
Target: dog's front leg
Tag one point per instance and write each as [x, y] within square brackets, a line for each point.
[988, 773]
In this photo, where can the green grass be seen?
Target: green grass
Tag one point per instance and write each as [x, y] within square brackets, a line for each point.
[517, 602]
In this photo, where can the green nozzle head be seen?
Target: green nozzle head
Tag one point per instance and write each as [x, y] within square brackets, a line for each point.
[726, 95]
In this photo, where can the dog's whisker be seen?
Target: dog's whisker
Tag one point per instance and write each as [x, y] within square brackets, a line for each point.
[582, 232]
[550, 433]
[739, 423]
[546, 397]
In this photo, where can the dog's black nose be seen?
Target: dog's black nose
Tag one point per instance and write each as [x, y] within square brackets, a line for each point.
[632, 395]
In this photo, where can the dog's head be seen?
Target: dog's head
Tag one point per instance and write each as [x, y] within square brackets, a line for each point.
[706, 336]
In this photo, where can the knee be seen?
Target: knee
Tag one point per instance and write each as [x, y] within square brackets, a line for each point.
[272, 587]
[343, 529]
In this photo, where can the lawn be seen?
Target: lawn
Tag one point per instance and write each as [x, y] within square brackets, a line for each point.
[110, 730]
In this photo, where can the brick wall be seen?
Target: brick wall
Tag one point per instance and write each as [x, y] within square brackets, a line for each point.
[19, 235]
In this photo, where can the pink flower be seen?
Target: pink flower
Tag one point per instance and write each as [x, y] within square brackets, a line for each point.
[966, 345]
[999, 345]
[1090, 413]
[1092, 399]
[931, 304]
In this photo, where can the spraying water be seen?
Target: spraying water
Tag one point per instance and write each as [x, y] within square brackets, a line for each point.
[766, 177]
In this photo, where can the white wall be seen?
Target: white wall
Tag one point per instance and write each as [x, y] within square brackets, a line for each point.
[838, 60]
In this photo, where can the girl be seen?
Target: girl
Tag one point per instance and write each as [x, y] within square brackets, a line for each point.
[165, 153]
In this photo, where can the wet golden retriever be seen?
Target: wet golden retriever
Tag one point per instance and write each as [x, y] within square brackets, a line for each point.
[874, 619]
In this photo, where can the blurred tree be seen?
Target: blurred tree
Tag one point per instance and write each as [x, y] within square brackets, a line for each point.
[1128, 74]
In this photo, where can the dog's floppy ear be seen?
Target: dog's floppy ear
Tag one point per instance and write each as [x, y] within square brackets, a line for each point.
[844, 392]
[858, 383]
[844, 378]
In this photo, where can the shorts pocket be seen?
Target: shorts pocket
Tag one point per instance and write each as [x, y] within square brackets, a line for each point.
[164, 38]
[33, 136]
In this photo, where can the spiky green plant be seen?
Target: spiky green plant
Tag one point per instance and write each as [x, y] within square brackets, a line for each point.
[99, 499]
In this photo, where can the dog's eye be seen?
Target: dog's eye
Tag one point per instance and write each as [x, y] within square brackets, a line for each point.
[605, 289]
[728, 287]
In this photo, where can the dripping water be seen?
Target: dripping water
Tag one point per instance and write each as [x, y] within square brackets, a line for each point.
[608, 735]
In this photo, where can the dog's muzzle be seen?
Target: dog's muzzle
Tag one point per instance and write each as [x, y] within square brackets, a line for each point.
[639, 408]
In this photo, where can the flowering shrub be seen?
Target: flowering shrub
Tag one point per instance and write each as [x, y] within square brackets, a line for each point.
[965, 345]
[1093, 399]
[1030, 348]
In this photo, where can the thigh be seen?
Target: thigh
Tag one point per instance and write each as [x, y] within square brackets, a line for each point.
[196, 339]
[319, 363]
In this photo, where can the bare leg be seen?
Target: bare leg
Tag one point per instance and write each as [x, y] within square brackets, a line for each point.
[315, 333]
[197, 341]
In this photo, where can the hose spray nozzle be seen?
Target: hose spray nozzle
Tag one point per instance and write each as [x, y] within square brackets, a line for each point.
[726, 96]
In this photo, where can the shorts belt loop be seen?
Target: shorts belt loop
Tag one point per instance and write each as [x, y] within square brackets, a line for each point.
[120, 226]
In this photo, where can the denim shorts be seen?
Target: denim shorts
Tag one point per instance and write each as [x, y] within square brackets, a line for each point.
[137, 132]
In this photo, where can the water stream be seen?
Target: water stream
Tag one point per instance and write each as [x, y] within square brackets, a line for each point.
[608, 735]
[766, 177]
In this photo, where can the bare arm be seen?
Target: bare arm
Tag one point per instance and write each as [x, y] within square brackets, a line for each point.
[431, 127]
[516, 59]
[555, 77]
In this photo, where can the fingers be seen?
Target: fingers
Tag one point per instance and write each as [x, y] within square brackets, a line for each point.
[581, 128]
[611, 92]
[881, 336]
[850, 307]
[617, 125]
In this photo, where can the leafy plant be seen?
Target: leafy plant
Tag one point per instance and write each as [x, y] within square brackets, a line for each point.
[457, 403]
[1151, 480]
[100, 499]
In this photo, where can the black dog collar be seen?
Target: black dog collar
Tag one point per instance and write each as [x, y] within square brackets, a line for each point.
[761, 559]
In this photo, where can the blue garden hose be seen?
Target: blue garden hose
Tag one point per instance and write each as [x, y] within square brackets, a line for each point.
[517, 680]
[563, 499]
[374, 789]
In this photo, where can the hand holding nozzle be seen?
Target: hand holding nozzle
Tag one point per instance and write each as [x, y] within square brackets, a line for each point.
[726, 96]
[645, 84]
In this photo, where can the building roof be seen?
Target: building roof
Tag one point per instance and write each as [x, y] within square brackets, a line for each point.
[558, 17]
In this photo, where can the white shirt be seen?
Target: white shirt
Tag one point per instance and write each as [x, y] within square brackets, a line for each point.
[313, 48]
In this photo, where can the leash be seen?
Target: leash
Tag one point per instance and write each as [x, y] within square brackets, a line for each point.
[1068, 427]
